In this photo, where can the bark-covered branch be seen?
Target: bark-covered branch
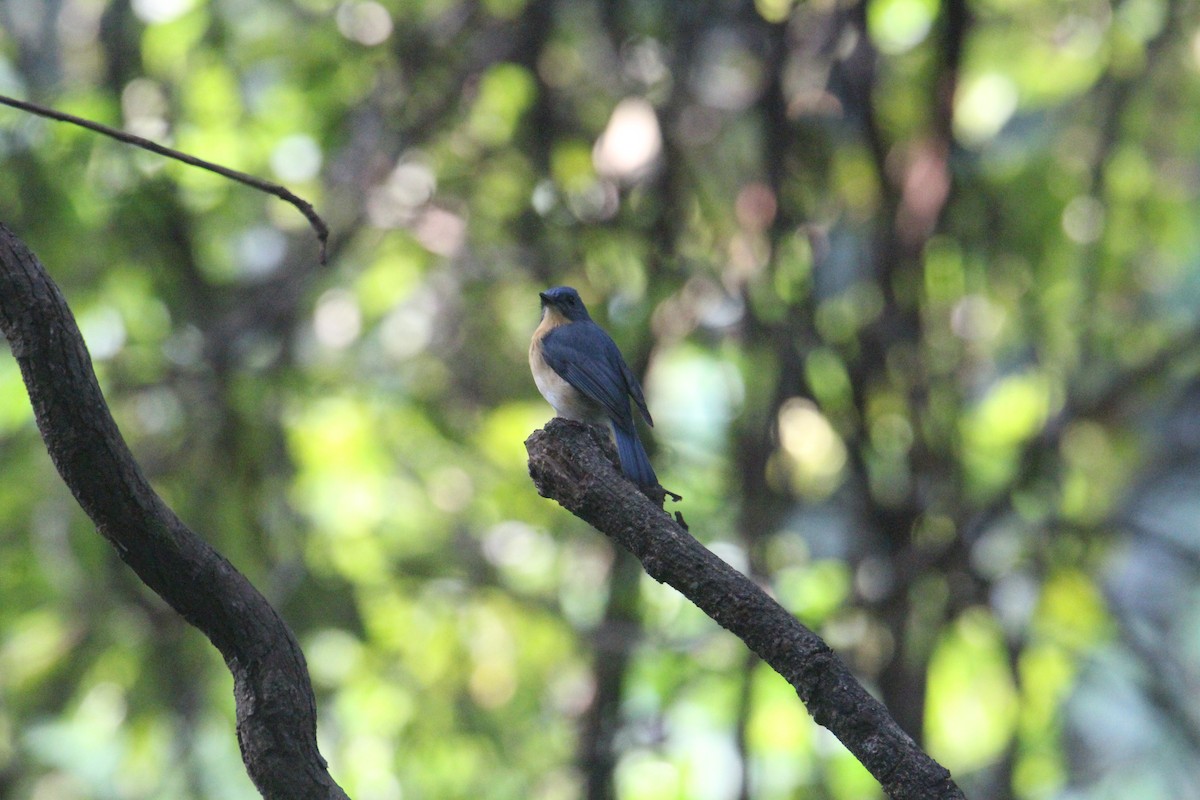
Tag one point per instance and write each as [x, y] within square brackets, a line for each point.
[572, 464]
[276, 712]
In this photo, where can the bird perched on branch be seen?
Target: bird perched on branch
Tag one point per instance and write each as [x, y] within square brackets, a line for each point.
[579, 370]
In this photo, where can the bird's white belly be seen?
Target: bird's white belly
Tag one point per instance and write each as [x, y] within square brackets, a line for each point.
[568, 402]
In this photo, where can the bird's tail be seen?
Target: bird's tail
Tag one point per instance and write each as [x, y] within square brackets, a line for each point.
[634, 461]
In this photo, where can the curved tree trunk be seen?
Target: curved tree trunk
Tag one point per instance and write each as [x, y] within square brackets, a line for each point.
[276, 711]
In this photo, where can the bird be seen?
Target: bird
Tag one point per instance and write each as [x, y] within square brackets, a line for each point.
[581, 373]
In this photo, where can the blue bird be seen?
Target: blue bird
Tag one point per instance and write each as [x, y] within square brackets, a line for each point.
[579, 370]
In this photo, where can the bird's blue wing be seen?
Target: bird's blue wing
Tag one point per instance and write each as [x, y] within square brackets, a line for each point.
[588, 359]
[635, 391]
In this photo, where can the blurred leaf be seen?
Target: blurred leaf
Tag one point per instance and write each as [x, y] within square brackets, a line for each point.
[972, 703]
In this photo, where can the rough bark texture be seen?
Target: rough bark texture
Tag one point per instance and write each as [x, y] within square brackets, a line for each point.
[276, 712]
[573, 464]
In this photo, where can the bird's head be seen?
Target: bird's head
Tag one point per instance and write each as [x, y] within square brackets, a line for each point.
[565, 301]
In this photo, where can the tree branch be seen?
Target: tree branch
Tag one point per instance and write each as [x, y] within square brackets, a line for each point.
[302, 205]
[573, 464]
[276, 711]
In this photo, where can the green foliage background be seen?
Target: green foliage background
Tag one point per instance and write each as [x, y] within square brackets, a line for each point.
[916, 306]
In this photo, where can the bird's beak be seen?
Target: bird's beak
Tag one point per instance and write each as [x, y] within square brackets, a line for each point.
[545, 300]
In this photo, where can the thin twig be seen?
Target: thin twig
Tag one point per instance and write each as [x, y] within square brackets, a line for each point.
[275, 189]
